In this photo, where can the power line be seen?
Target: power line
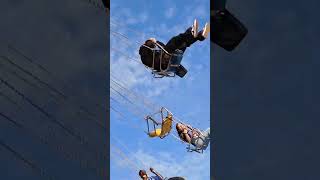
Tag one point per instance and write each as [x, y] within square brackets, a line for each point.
[19, 156]
[44, 139]
[52, 75]
[70, 132]
[147, 103]
[91, 115]
[33, 76]
[81, 139]
[9, 99]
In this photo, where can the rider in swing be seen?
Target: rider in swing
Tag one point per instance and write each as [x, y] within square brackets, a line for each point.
[144, 176]
[177, 44]
[200, 140]
[156, 176]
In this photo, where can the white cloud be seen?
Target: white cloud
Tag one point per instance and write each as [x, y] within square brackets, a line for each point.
[191, 166]
[133, 72]
[125, 16]
[170, 12]
[143, 17]
[135, 75]
[201, 11]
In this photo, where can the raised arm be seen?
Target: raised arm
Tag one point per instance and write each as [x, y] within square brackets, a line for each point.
[187, 138]
[156, 173]
[161, 44]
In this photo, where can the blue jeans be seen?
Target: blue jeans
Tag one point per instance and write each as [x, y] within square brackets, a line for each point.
[203, 140]
[176, 60]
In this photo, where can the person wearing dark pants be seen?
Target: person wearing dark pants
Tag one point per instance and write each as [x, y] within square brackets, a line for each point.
[183, 40]
[177, 43]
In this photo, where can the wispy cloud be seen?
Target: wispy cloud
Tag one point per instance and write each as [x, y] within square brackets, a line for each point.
[191, 166]
[163, 25]
[170, 12]
[126, 16]
[136, 76]
[133, 72]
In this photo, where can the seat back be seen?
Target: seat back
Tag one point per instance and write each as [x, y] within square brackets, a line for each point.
[172, 67]
[166, 127]
[228, 31]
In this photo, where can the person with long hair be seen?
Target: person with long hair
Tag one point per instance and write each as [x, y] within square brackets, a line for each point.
[199, 139]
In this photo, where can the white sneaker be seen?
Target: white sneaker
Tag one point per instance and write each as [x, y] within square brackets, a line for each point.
[194, 30]
[206, 30]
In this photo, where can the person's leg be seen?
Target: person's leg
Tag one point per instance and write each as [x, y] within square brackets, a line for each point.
[198, 142]
[206, 133]
[203, 140]
[182, 41]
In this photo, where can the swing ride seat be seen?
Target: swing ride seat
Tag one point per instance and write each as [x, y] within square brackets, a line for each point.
[174, 66]
[166, 125]
[165, 129]
[192, 148]
[228, 31]
[155, 133]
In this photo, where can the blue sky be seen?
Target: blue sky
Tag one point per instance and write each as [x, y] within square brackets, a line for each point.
[188, 98]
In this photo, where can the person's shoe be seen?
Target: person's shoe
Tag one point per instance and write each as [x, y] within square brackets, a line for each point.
[194, 29]
[206, 30]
